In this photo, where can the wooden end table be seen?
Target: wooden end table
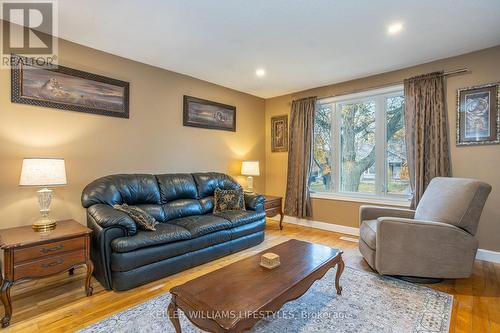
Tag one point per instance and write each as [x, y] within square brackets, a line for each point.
[234, 298]
[274, 206]
[31, 255]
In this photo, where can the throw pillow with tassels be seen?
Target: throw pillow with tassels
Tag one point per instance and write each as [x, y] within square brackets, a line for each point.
[228, 200]
[143, 220]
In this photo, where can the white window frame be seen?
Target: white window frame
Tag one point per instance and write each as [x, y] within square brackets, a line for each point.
[380, 196]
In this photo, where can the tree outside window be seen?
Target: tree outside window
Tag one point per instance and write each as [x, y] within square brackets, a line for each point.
[359, 146]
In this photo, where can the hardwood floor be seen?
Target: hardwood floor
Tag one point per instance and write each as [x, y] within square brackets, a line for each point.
[58, 304]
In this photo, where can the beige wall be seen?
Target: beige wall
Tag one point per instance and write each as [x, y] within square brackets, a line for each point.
[481, 162]
[153, 140]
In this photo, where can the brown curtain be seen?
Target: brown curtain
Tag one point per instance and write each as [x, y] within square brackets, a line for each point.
[426, 131]
[297, 199]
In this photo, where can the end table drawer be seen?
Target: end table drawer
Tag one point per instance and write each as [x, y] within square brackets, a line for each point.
[48, 266]
[50, 249]
[272, 212]
[272, 204]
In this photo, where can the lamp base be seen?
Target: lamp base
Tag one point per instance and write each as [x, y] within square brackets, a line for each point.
[249, 188]
[44, 224]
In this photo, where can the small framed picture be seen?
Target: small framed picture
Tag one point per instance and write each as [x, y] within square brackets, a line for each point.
[478, 115]
[279, 134]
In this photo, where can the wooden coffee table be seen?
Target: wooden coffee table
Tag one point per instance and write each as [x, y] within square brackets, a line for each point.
[235, 297]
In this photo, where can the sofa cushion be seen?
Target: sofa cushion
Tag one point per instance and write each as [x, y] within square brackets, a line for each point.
[176, 186]
[207, 182]
[160, 269]
[241, 217]
[248, 229]
[164, 233]
[132, 189]
[180, 208]
[199, 225]
[155, 211]
[207, 205]
[368, 233]
[125, 261]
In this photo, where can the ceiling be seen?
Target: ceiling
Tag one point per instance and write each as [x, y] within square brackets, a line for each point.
[300, 43]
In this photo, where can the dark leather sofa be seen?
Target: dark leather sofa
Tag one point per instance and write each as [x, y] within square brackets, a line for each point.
[189, 233]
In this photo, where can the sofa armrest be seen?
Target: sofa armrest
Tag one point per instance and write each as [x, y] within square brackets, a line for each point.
[423, 248]
[100, 249]
[254, 201]
[106, 216]
[374, 212]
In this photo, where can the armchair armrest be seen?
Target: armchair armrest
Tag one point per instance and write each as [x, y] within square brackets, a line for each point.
[254, 201]
[374, 212]
[106, 216]
[423, 248]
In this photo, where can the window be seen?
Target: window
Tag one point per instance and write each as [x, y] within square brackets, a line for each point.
[359, 145]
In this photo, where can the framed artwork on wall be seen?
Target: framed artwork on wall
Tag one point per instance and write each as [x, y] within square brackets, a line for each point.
[279, 133]
[207, 114]
[478, 115]
[68, 89]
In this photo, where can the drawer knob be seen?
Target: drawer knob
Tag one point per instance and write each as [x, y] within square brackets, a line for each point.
[54, 263]
[51, 249]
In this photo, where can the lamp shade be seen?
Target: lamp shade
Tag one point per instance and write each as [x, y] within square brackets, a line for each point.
[43, 172]
[250, 168]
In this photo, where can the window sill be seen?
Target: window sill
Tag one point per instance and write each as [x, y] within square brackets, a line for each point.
[400, 202]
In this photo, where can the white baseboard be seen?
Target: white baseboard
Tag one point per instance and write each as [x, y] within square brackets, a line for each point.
[320, 225]
[488, 255]
[482, 254]
[349, 239]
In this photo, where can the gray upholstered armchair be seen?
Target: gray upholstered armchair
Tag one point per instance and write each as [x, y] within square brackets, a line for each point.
[435, 241]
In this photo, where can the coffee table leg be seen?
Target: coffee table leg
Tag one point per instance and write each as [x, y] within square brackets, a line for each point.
[340, 269]
[173, 314]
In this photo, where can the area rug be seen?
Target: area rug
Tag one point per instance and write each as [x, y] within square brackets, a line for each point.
[369, 303]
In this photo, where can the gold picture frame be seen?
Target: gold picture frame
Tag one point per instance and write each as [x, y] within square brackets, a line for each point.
[279, 133]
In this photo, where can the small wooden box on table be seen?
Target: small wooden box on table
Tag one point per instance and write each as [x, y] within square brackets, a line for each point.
[274, 206]
[28, 255]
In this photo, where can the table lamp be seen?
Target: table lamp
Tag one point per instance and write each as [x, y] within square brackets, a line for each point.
[250, 168]
[43, 172]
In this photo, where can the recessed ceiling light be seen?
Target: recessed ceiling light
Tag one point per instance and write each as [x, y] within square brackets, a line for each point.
[261, 72]
[394, 28]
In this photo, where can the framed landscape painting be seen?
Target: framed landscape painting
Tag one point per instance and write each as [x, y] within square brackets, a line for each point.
[478, 115]
[68, 89]
[207, 114]
[279, 134]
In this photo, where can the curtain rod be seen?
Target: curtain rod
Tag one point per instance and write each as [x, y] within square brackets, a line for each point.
[447, 73]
